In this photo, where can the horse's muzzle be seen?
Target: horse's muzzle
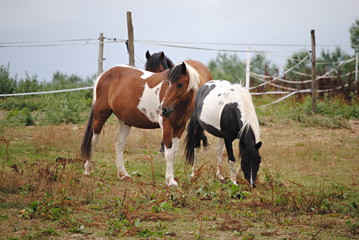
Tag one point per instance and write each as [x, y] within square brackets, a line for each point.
[166, 112]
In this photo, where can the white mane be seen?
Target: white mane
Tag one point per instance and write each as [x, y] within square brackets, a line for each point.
[248, 112]
[193, 78]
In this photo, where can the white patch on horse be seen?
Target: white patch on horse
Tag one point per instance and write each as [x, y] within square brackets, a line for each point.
[150, 102]
[215, 101]
[145, 74]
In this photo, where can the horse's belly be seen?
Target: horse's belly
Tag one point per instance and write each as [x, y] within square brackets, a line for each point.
[210, 115]
[135, 118]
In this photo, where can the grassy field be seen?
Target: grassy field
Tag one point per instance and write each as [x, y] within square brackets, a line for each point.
[307, 188]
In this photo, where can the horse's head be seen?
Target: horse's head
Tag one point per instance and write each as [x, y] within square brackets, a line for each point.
[183, 78]
[250, 162]
[157, 62]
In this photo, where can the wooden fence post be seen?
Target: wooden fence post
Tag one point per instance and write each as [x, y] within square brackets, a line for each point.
[131, 48]
[314, 80]
[100, 55]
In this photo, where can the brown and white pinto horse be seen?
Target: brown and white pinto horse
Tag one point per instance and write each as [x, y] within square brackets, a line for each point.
[135, 96]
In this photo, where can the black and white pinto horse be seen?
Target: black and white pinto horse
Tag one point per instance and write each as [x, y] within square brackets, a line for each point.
[226, 111]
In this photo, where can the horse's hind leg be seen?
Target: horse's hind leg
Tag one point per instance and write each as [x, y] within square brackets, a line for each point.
[119, 146]
[88, 163]
[99, 119]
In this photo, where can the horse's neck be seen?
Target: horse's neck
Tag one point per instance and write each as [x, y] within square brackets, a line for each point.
[157, 78]
[188, 102]
[247, 138]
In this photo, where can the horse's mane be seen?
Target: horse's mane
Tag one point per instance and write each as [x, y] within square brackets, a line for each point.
[248, 111]
[194, 79]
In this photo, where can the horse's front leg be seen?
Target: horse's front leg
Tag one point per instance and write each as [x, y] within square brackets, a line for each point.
[171, 140]
[219, 171]
[119, 146]
[231, 159]
[170, 155]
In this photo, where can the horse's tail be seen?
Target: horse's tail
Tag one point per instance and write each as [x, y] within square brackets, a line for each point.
[193, 140]
[85, 151]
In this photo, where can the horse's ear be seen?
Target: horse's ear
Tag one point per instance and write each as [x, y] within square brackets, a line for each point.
[184, 68]
[258, 145]
[148, 55]
[162, 55]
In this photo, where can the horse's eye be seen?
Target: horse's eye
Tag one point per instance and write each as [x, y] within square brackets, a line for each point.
[179, 85]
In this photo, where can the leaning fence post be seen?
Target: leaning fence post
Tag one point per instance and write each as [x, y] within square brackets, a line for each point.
[131, 48]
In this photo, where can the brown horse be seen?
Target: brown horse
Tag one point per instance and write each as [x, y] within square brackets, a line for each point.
[134, 96]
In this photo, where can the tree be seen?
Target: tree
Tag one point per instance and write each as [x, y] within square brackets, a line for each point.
[227, 67]
[304, 68]
[262, 66]
[354, 35]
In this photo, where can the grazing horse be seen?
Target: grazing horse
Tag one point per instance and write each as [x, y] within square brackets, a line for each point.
[134, 96]
[157, 62]
[226, 111]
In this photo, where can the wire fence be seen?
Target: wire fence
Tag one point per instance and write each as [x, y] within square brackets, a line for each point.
[276, 82]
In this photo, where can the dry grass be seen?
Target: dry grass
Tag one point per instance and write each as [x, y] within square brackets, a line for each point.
[308, 188]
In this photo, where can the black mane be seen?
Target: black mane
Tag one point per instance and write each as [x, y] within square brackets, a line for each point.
[155, 60]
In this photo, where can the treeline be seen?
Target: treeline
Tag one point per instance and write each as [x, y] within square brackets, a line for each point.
[59, 81]
[335, 70]
[55, 108]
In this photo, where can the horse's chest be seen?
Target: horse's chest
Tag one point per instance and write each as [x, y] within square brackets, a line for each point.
[149, 102]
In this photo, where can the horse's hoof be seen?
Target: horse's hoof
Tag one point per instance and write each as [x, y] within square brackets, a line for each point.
[221, 178]
[234, 182]
[172, 183]
[124, 178]
[86, 174]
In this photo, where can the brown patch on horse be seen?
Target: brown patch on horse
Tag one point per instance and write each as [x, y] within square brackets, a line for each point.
[119, 91]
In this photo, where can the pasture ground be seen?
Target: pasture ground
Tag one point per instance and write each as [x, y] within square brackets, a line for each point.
[307, 189]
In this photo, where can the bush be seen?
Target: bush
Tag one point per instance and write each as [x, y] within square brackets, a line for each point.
[21, 117]
[65, 108]
[7, 84]
[335, 107]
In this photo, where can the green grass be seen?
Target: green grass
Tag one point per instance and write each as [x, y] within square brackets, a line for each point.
[307, 186]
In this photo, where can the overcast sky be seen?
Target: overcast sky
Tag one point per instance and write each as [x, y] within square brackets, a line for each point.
[283, 22]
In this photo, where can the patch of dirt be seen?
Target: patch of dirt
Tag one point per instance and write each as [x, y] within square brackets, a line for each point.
[232, 225]
[152, 217]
